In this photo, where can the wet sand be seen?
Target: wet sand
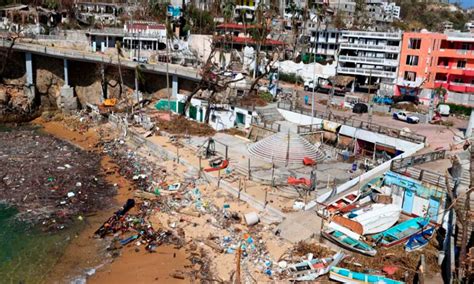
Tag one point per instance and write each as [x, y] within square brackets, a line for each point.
[85, 252]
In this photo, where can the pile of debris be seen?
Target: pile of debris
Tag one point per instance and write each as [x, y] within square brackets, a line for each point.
[48, 180]
[181, 125]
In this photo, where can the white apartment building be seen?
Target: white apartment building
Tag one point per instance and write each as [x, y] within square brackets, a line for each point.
[369, 55]
[325, 42]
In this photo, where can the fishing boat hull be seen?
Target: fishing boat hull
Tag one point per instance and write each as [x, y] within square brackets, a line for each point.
[376, 218]
[347, 276]
[348, 242]
[419, 241]
[401, 233]
[311, 269]
[343, 202]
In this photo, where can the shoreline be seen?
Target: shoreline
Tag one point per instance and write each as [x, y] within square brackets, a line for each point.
[85, 257]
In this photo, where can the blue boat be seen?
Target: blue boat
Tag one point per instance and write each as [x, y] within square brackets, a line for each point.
[420, 240]
[401, 232]
[347, 276]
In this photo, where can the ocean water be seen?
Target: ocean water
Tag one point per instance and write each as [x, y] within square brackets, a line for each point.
[28, 255]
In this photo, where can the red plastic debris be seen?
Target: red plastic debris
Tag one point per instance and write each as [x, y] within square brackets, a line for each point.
[308, 161]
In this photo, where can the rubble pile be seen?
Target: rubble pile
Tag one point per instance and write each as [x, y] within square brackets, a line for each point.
[49, 180]
[182, 125]
[406, 264]
[16, 105]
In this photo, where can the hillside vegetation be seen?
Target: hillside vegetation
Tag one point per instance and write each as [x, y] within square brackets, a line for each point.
[417, 15]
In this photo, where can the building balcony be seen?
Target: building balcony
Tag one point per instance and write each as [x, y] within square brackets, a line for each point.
[382, 48]
[366, 72]
[456, 53]
[461, 87]
[412, 84]
[441, 84]
[378, 61]
[361, 34]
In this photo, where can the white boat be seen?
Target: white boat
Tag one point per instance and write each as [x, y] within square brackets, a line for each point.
[311, 269]
[375, 218]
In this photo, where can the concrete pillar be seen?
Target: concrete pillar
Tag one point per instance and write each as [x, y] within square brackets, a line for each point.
[29, 88]
[174, 86]
[29, 69]
[66, 73]
[470, 126]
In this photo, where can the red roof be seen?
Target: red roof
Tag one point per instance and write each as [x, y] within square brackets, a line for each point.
[234, 26]
[249, 40]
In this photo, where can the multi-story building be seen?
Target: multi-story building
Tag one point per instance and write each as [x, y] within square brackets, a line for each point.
[346, 6]
[371, 57]
[325, 41]
[432, 60]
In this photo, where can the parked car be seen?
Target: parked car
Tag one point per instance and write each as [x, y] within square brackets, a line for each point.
[444, 110]
[406, 98]
[140, 59]
[360, 108]
[404, 116]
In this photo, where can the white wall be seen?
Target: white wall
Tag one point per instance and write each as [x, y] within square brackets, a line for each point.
[224, 119]
[362, 134]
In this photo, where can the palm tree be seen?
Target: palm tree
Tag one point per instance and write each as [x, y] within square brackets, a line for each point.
[228, 11]
[169, 38]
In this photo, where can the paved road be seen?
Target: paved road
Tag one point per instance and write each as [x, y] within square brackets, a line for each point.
[182, 72]
[436, 135]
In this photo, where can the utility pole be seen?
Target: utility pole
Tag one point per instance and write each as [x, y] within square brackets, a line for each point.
[371, 103]
[167, 66]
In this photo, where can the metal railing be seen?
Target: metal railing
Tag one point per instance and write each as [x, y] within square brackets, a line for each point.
[373, 72]
[369, 46]
[373, 34]
[307, 129]
[373, 127]
[411, 161]
[188, 73]
[384, 61]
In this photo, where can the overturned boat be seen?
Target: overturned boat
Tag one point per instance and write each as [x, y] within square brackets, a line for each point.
[375, 218]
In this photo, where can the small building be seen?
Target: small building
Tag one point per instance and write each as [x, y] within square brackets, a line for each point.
[96, 12]
[140, 36]
[416, 198]
[222, 116]
[147, 36]
[238, 36]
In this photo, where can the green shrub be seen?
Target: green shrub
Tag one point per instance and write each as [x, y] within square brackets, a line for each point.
[459, 109]
[290, 78]
[266, 96]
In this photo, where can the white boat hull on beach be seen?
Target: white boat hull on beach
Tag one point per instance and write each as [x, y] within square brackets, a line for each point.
[376, 218]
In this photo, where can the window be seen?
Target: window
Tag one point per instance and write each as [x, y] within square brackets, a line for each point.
[412, 60]
[414, 43]
[461, 64]
[466, 46]
[410, 76]
[457, 80]
[213, 118]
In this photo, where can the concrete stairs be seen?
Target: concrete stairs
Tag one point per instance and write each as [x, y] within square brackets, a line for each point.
[269, 114]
